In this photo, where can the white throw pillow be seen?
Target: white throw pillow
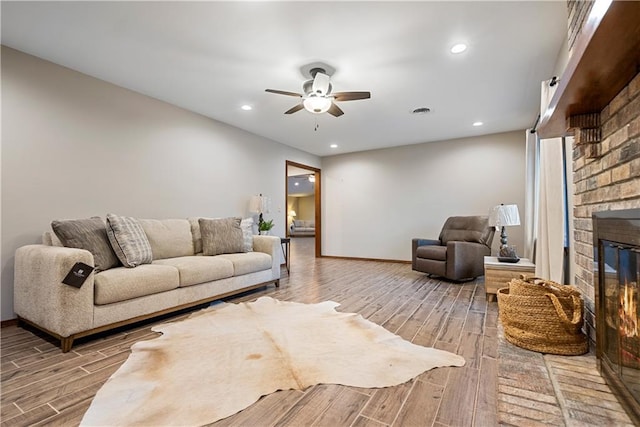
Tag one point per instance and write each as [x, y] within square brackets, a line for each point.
[247, 234]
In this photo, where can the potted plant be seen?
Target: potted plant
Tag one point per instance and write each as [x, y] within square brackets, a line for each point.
[265, 226]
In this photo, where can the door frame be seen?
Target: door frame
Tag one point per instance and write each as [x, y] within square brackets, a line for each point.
[317, 196]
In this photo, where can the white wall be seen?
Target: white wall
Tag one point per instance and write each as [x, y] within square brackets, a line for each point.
[74, 146]
[375, 202]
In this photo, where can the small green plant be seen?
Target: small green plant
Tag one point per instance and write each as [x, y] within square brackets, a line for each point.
[265, 225]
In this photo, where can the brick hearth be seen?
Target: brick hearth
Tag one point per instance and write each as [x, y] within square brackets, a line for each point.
[542, 390]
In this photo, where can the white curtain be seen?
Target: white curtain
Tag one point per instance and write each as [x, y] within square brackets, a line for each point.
[531, 194]
[549, 246]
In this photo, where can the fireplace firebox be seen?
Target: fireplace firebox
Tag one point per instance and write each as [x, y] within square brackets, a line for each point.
[616, 238]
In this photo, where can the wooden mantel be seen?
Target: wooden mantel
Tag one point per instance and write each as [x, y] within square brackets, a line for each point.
[605, 58]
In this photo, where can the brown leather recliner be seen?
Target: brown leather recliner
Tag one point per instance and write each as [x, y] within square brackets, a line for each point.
[459, 252]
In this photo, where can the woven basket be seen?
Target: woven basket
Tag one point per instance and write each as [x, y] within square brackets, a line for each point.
[534, 286]
[544, 323]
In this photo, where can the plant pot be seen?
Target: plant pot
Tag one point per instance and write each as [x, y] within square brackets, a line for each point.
[264, 232]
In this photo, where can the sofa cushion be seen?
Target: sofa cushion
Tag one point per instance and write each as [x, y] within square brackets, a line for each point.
[221, 236]
[199, 269]
[169, 238]
[89, 234]
[434, 252]
[121, 284]
[249, 262]
[128, 240]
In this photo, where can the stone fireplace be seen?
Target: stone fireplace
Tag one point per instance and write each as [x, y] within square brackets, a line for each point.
[616, 244]
[597, 101]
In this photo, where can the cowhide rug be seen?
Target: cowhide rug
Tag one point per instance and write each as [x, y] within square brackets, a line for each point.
[221, 360]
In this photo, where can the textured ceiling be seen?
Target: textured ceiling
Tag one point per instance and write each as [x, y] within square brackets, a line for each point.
[213, 57]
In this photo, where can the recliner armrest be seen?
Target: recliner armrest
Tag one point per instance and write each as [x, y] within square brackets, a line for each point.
[427, 242]
[465, 259]
[416, 242]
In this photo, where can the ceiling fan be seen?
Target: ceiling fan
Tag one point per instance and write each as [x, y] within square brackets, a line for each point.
[318, 98]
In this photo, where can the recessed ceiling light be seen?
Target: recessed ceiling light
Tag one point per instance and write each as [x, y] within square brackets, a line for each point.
[458, 48]
[296, 183]
[247, 107]
[334, 146]
[478, 123]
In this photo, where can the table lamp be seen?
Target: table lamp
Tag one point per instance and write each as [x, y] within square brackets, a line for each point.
[504, 216]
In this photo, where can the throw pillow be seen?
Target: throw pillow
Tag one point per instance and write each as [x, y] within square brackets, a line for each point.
[221, 236]
[128, 240]
[247, 234]
[89, 234]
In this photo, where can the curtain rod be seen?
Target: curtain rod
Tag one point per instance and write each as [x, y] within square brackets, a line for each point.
[535, 125]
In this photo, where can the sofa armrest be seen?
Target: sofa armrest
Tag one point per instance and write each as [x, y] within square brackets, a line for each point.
[40, 296]
[269, 245]
[415, 243]
[465, 259]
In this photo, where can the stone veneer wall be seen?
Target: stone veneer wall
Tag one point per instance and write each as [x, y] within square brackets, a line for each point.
[609, 182]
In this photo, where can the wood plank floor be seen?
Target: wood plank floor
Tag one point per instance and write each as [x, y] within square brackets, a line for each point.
[42, 386]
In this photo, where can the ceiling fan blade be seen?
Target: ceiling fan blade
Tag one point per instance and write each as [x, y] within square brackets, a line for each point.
[335, 111]
[320, 83]
[294, 109]
[283, 92]
[351, 96]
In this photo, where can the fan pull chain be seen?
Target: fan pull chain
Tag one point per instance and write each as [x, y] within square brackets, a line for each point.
[316, 127]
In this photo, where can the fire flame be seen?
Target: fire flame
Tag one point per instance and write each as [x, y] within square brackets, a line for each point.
[628, 310]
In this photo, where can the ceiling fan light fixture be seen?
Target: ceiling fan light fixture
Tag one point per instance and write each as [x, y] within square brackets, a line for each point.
[317, 104]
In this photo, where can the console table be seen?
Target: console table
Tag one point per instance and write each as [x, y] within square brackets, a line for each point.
[498, 274]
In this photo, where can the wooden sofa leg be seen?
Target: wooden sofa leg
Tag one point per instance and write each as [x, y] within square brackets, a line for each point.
[277, 283]
[66, 343]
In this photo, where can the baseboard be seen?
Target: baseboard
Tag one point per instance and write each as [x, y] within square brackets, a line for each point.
[396, 261]
[7, 323]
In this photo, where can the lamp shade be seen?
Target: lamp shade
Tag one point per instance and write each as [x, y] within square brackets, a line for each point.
[504, 215]
[292, 213]
[259, 204]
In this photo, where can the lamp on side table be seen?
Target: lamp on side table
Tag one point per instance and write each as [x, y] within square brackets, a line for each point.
[503, 216]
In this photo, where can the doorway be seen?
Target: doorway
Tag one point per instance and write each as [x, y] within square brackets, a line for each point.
[303, 191]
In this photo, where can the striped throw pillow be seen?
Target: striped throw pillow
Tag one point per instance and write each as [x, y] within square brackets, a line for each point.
[128, 240]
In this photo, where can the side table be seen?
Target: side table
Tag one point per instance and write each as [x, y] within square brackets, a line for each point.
[498, 274]
[286, 251]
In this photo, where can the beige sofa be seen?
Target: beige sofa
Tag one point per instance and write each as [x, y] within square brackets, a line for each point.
[179, 276]
[301, 227]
